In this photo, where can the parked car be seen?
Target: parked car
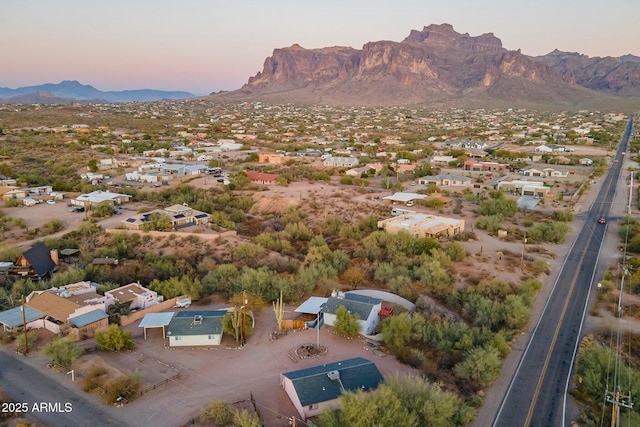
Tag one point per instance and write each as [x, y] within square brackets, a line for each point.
[411, 203]
[51, 202]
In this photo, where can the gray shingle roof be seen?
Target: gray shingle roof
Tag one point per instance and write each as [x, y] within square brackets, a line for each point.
[362, 309]
[312, 385]
[39, 257]
[185, 323]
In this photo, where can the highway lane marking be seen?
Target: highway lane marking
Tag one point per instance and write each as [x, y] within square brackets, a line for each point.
[554, 340]
[545, 366]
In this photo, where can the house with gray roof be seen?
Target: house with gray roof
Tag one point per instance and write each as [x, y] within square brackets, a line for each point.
[367, 309]
[315, 389]
[195, 328]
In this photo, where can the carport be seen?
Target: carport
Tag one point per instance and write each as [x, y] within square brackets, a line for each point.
[155, 320]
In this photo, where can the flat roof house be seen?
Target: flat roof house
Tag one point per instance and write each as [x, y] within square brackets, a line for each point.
[422, 225]
[196, 328]
[99, 197]
[315, 389]
[138, 296]
[341, 162]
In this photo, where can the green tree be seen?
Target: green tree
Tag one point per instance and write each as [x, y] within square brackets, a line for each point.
[62, 352]
[400, 401]
[397, 332]
[116, 339]
[346, 323]
[158, 222]
[481, 366]
[455, 250]
[68, 276]
[354, 276]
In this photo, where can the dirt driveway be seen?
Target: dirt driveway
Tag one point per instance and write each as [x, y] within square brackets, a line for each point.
[227, 373]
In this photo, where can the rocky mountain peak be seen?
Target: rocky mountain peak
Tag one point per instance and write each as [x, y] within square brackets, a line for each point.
[444, 35]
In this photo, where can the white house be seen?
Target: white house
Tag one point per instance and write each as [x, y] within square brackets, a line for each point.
[139, 296]
[366, 308]
[341, 162]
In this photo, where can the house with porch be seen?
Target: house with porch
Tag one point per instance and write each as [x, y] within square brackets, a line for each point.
[195, 328]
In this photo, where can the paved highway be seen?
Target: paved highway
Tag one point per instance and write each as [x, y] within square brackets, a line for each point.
[537, 393]
[48, 402]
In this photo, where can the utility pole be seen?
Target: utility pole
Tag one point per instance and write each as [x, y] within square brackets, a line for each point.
[630, 194]
[24, 328]
[618, 400]
[244, 318]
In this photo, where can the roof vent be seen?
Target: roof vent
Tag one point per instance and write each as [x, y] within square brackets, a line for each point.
[333, 375]
[197, 320]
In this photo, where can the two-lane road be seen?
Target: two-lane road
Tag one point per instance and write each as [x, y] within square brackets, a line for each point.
[537, 393]
[47, 401]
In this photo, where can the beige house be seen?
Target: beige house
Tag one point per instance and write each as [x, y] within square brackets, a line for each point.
[422, 225]
[273, 158]
[181, 216]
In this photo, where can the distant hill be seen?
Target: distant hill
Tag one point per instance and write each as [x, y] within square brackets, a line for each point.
[435, 66]
[74, 91]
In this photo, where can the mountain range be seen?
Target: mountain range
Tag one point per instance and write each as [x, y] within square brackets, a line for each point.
[74, 91]
[439, 66]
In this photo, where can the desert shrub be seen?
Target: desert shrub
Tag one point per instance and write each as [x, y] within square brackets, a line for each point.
[31, 338]
[61, 352]
[95, 379]
[123, 387]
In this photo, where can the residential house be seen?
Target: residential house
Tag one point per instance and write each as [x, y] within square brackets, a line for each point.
[341, 162]
[77, 306]
[138, 297]
[312, 390]
[196, 328]
[273, 158]
[476, 165]
[38, 261]
[442, 160]
[550, 148]
[98, 197]
[14, 193]
[366, 308]
[524, 187]
[445, 180]
[533, 172]
[357, 172]
[262, 178]
[422, 225]
[555, 173]
[13, 320]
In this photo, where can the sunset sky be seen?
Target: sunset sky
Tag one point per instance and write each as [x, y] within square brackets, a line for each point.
[203, 46]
